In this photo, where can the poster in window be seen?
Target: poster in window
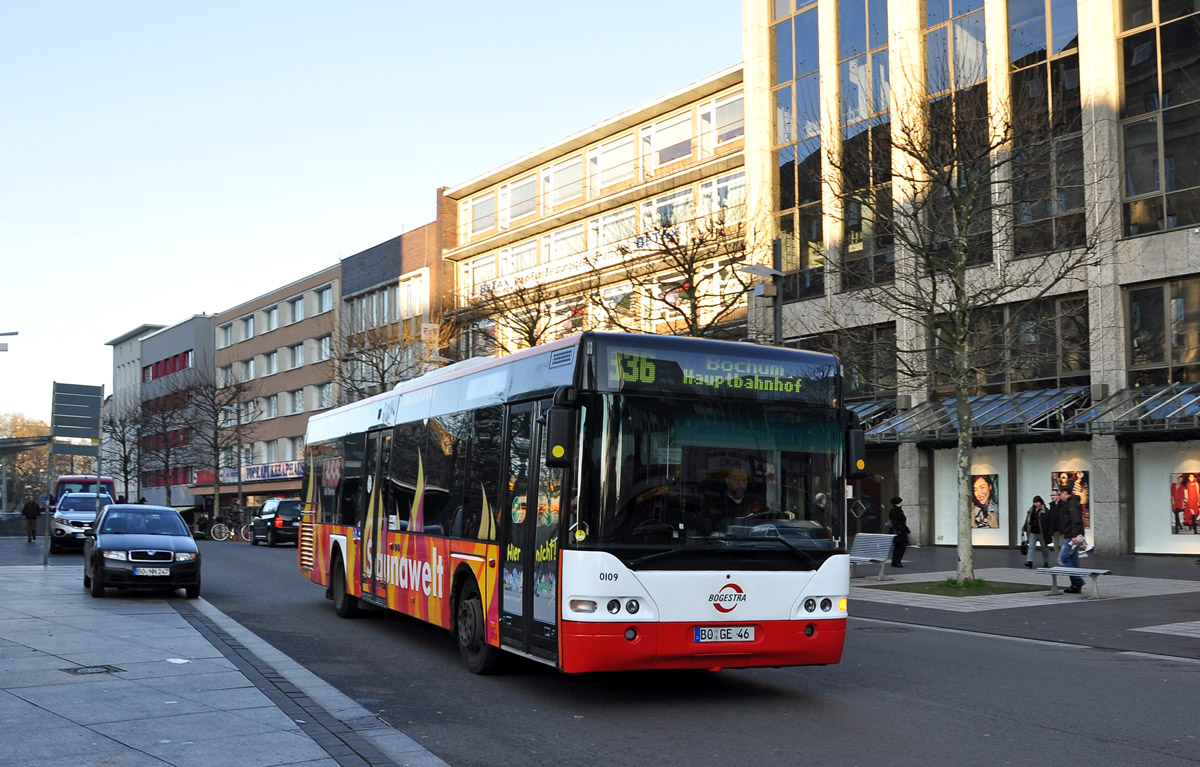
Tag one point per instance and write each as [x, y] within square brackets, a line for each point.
[985, 500]
[1185, 503]
[1077, 483]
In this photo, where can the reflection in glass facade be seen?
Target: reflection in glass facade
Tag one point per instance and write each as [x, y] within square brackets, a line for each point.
[797, 150]
[1160, 67]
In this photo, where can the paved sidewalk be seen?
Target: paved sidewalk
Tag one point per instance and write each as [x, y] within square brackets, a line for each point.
[141, 680]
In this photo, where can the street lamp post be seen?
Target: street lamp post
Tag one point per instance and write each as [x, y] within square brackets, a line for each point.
[773, 290]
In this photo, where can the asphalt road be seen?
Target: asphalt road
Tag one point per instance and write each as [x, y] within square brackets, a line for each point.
[904, 694]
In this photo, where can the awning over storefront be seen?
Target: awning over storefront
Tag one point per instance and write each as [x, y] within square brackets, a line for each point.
[874, 412]
[1144, 410]
[1041, 411]
[251, 488]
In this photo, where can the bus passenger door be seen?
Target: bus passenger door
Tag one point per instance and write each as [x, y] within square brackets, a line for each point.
[528, 539]
[374, 526]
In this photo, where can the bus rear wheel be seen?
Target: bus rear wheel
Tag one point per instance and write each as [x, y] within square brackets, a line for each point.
[344, 604]
[480, 657]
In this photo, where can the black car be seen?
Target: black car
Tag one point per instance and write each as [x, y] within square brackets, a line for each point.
[136, 546]
[278, 521]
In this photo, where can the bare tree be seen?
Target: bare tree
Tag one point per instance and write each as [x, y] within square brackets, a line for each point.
[215, 409]
[972, 202]
[368, 361]
[683, 278]
[167, 431]
[122, 432]
[522, 312]
[26, 469]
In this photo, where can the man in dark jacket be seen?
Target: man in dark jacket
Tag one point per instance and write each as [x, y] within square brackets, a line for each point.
[1055, 520]
[899, 525]
[31, 511]
[1072, 527]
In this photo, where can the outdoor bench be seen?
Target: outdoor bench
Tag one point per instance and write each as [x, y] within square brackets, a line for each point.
[1078, 572]
[871, 549]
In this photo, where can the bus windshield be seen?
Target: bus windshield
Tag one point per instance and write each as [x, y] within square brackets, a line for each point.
[684, 474]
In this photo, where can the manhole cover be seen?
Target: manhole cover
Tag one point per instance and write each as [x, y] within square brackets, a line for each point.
[884, 629]
[85, 670]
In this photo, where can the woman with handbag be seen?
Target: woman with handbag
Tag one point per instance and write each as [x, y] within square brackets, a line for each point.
[1037, 527]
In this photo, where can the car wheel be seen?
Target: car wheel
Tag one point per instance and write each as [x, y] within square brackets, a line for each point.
[271, 541]
[192, 591]
[253, 538]
[345, 604]
[480, 657]
[98, 584]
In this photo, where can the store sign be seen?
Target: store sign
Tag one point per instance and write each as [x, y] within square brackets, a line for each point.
[262, 472]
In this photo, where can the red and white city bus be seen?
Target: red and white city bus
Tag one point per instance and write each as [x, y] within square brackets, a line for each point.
[605, 502]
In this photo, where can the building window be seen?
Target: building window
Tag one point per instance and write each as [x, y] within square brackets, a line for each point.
[296, 307]
[798, 160]
[957, 114]
[483, 213]
[325, 395]
[725, 198]
[225, 335]
[297, 400]
[521, 256]
[270, 318]
[565, 242]
[248, 327]
[324, 348]
[522, 197]
[1047, 171]
[617, 161]
[668, 211]
[1164, 332]
[614, 227]
[296, 354]
[670, 140]
[270, 363]
[225, 376]
[271, 406]
[248, 369]
[1160, 115]
[325, 300]
[566, 180]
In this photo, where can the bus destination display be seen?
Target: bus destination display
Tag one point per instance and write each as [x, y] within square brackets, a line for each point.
[717, 374]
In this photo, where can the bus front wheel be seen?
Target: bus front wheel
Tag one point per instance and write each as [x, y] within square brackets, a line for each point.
[480, 657]
[345, 604]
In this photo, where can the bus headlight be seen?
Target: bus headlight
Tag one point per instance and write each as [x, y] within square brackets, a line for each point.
[810, 605]
[826, 605]
[614, 606]
[632, 606]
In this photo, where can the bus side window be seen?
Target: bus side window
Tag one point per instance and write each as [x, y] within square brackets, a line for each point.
[350, 487]
[482, 478]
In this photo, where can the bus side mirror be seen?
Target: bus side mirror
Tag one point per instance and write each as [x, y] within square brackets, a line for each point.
[856, 454]
[561, 433]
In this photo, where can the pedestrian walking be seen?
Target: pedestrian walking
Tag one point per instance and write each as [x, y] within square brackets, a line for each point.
[31, 511]
[1072, 531]
[1055, 518]
[1037, 519]
[899, 525]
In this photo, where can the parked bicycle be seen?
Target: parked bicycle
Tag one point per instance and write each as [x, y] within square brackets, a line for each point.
[231, 527]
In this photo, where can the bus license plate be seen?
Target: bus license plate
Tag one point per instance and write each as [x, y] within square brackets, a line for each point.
[151, 571]
[724, 633]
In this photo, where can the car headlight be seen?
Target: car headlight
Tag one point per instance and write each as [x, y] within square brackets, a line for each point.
[118, 555]
[185, 556]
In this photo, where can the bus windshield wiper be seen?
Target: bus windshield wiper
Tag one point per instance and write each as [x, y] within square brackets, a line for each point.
[634, 563]
[800, 553]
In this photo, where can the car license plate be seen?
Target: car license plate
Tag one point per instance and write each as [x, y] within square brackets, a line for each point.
[724, 633]
[78, 535]
[151, 571]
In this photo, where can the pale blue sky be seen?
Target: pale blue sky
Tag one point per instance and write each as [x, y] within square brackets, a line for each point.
[167, 158]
